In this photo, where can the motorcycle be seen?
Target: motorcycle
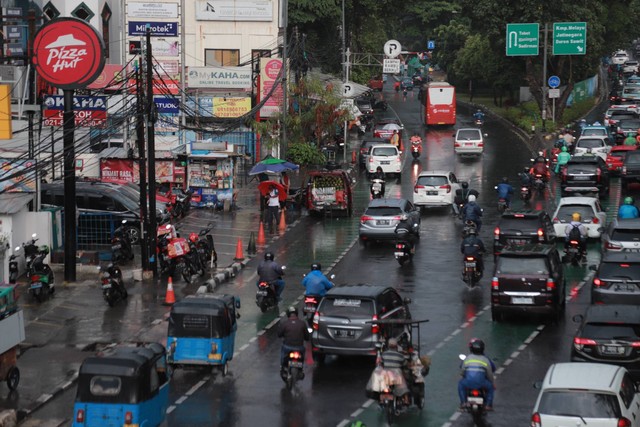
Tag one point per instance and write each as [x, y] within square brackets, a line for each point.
[502, 205]
[180, 202]
[573, 253]
[266, 296]
[468, 226]
[416, 147]
[30, 250]
[525, 193]
[403, 252]
[206, 249]
[293, 369]
[470, 273]
[310, 306]
[113, 289]
[194, 264]
[121, 248]
[41, 279]
[13, 266]
[479, 121]
[476, 405]
[172, 252]
[377, 188]
[538, 183]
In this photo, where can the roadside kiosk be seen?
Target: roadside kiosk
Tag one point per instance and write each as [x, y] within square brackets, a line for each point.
[12, 333]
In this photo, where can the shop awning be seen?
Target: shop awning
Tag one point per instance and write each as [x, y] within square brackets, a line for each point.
[11, 203]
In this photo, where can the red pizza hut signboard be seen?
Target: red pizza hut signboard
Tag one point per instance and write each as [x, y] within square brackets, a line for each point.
[68, 53]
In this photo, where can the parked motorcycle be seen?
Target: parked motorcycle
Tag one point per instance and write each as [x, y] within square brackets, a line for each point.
[525, 193]
[121, 247]
[195, 262]
[377, 188]
[293, 369]
[13, 266]
[180, 202]
[476, 405]
[206, 249]
[470, 273]
[41, 279]
[573, 253]
[30, 250]
[172, 252]
[113, 288]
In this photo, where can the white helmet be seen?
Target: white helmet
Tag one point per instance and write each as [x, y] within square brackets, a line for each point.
[472, 198]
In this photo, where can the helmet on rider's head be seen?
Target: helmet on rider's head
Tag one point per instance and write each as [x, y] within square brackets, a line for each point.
[478, 111]
[471, 198]
[576, 217]
[476, 346]
[465, 184]
[316, 266]
[269, 256]
[505, 179]
[525, 169]
[472, 231]
[193, 237]
[628, 200]
[563, 149]
[292, 310]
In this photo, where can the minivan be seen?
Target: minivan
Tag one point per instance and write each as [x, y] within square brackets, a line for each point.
[387, 156]
[468, 142]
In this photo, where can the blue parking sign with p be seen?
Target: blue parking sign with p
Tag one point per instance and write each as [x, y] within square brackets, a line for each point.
[431, 45]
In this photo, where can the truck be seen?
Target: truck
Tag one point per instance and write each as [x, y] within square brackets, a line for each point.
[330, 192]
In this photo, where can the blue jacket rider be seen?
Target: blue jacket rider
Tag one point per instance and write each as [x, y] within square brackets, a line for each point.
[628, 209]
[477, 373]
[479, 115]
[315, 282]
[272, 272]
[472, 212]
[505, 190]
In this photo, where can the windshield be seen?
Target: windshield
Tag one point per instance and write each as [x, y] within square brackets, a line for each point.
[385, 151]
[625, 235]
[348, 307]
[565, 212]
[525, 225]
[609, 331]
[432, 181]
[383, 211]
[198, 326]
[521, 265]
[596, 131]
[468, 134]
[630, 124]
[590, 143]
[632, 158]
[580, 403]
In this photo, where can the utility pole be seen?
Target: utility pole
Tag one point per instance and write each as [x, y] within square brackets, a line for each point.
[285, 14]
[142, 162]
[544, 79]
[347, 56]
[344, 48]
[151, 152]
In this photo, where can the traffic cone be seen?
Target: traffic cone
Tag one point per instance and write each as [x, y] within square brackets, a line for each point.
[239, 256]
[283, 222]
[251, 247]
[261, 239]
[170, 297]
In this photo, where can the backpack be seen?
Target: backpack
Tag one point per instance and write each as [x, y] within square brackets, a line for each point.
[575, 234]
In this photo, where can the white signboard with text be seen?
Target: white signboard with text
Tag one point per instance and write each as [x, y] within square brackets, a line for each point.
[219, 77]
[152, 10]
[390, 66]
[234, 10]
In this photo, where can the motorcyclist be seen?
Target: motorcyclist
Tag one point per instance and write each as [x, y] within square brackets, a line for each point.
[630, 140]
[316, 283]
[563, 159]
[394, 360]
[378, 174]
[576, 222]
[540, 167]
[505, 190]
[525, 177]
[628, 209]
[407, 232]
[569, 139]
[271, 272]
[462, 195]
[473, 246]
[477, 373]
[294, 333]
[478, 115]
[416, 141]
[472, 212]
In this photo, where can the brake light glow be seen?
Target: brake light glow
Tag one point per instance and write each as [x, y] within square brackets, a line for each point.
[624, 265]
[315, 321]
[399, 246]
[480, 144]
[375, 329]
[595, 220]
[469, 258]
[597, 282]
[456, 144]
[573, 242]
[310, 300]
[495, 284]
[536, 421]
[518, 216]
[551, 285]
[418, 187]
[579, 341]
[623, 422]
[475, 393]
[365, 218]
[128, 417]
[295, 355]
[612, 245]
[446, 187]
[635, 344]
[540, 232]
[556, 220]
[80, 416]
[496, 231]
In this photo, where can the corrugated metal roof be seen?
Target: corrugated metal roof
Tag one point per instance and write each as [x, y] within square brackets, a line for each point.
[11, 203]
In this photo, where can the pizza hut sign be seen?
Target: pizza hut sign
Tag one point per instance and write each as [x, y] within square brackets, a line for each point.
[68, 53]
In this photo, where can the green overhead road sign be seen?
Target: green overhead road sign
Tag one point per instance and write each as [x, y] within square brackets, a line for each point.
[523, 39]
[569, 38]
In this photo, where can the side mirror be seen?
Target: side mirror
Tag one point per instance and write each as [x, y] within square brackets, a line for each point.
[462, 356]
[578, 318]
[407, 301]
[537, 385]
[333, 276]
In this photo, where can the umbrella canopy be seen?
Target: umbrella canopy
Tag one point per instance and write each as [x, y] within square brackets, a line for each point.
[273, 165]
[391, 126]
[265, 186]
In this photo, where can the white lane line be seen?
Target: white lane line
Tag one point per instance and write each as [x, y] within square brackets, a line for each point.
[181, 400]
[522, 347]
[170, 409]
[196, 387]
[499, 370]
[244, 347]
[515, 354]
[457, 331]
[262, 332]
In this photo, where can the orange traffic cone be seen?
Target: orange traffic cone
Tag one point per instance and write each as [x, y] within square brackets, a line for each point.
[283, 222]
[239, 254]
[170, 297]
[261, 239]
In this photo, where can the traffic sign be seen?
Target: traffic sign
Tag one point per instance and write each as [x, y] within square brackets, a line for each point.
[392, 48]
[431, 45]
[554, 82]
[347, 90]
[523, 39]
[569, 38]
[554, 93]
[390, 66]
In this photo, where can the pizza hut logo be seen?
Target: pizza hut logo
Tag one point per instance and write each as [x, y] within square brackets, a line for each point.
[68, 53]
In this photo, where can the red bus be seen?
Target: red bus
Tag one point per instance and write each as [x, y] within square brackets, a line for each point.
[438, 104]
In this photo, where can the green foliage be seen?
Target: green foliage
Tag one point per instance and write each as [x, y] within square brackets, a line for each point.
[303, 153]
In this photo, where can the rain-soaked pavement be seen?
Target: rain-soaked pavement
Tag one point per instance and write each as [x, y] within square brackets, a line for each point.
[63, 331]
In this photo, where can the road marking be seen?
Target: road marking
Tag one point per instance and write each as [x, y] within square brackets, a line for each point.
[170, 409]
[197, 386]
[181, 400]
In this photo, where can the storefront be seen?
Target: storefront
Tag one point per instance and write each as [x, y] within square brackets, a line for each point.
[212, 173]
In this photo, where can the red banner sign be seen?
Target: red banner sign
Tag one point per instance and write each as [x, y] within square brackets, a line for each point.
[160, 87]
[83, 118]
[118, 170]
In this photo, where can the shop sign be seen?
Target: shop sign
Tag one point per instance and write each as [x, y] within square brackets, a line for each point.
[269, 72]
[160, 87]
[158, 29]
[110, 78]
[152, 10]
[118, 170]
[166, 105]
[89, 111]
[166, 123]
[234, 10]
[219, 77]
[231, 107]
[165, 171]
[209, 146]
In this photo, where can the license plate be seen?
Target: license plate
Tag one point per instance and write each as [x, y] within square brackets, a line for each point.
[517, 241]
[398, 254]
[475, 400]
[469, 264]
[387, 162]
[262, 293]
[108, 286]
[626, 287]
[215, 357]
[382, 222]
[386, 396]
[612, 349]
[115, 247]
[432, 193]
[469, 144]
[309, 309]
[342, 333]
[36, 285]
[295, 364]
[581, 178]
[521, 300]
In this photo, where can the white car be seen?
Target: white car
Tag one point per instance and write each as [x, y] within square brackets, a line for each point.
[587, 394]
[469, 142]
[630, 67]
[592, 144]
[619, 57]
[593, 217]
[387, 156]
[435, 189]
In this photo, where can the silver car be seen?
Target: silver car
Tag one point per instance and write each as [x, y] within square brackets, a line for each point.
[382, 216]
[622, 235]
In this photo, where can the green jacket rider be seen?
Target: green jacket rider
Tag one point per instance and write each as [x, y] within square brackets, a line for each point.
[563, 158]
[630, 140]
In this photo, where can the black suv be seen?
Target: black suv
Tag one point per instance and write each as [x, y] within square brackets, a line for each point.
[101, 209]
[617, 279]
[343, 323]
[364, 149]
[630, 169]
[520, 228]
[584, 174]
[609, 334]
[528, 279]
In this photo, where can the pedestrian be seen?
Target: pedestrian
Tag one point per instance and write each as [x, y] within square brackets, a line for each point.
[273, 207]
[395, 138]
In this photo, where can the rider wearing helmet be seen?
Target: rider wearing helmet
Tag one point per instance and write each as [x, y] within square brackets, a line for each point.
[477, 373]
[505, 190]
[525, 177]
[473, 246]
[628, 209]
[478, 115]
[563, 158]
[193, 237]
[630, 140]
[472, 212]
[315, 282]
[580, 234]
[462, 196]
[271, 272]
[294, 333]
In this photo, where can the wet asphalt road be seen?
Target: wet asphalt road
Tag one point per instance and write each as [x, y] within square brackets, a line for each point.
[333, 393]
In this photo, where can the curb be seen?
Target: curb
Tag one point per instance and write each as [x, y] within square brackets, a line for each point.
[44, 398]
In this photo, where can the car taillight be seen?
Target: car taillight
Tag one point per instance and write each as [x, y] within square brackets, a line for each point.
[105, 281]
[595, 220]
[556, 220]
[551, 285]
[128, 417]
[316, 317]
[579, 341]
[540, 233]
[598, 174]
[375, 329]
[623, 422]
[612, 245]
[496, 232]
[495, 284]
[446, 187]
[597, 282]
[456, 144]
[635, 344]
[370, 159]
[365, 218]
[480, 144]
[535, 420]
[80, 416]
[418, 187]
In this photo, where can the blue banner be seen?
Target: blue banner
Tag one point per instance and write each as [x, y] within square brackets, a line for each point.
[92, 103]
[158, 29]
[166, 105]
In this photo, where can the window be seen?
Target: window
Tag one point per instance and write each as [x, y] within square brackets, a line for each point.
[83, 12]
[105, 386]
[50, 11]
[222, 57]
[587, 404]
[106, 18]
[627, 390]
[100, 202]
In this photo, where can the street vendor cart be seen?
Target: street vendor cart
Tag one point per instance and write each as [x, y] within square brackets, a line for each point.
[12, 333]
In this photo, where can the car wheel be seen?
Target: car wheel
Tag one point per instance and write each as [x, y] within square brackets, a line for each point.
[133, 233]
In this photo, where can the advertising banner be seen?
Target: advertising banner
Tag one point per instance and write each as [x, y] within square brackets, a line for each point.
[89, 111]
[110, 78]
[152, 10]
[234, 10]
[167, 123]
[158, 29]
[17, 176]
[166, 105]
[269, 73]
[219, 77]
[118, 170]
[231, 107]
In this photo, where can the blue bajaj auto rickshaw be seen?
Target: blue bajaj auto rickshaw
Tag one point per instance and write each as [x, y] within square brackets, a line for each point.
[126, 386]
[202, 331]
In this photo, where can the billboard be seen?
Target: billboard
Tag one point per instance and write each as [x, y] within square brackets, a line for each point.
[89, 111]
[228, 107]
[270, 69]
[219, 77]
[17, 176]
